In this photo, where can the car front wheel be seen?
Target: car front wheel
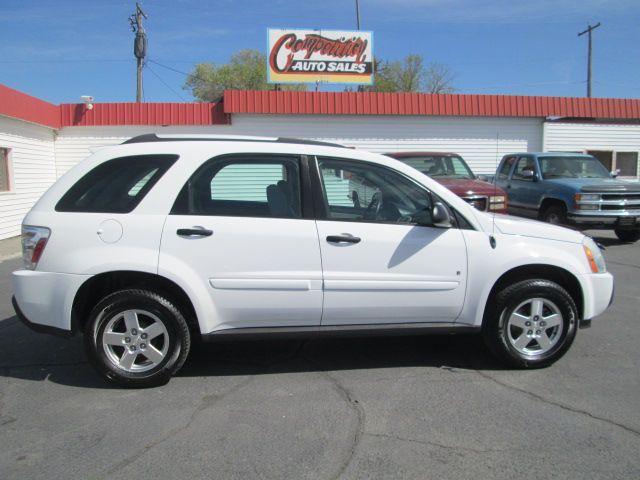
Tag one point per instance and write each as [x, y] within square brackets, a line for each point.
[137, 338]
[531, 324]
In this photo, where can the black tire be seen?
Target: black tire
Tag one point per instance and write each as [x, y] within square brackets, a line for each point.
[629, 236]
[498, 333]
[148, 306]
[555, 214]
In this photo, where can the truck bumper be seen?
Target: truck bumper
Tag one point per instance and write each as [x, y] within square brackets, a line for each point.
[596, 221]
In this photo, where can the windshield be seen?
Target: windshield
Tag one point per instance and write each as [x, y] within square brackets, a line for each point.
[440, 166]
[572, 167]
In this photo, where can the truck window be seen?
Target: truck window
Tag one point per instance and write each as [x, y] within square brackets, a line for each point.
[503, 174]
[524, 163]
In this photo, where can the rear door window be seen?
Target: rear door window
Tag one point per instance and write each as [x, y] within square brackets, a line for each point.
[116, 186]
[243, 186]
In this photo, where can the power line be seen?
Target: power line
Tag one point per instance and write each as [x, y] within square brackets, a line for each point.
[613, 84]
[164, 83]
[204, 80]
[168, 68]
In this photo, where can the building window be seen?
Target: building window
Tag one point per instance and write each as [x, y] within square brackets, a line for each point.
[606, 158]
[5, 171]
[625, 162]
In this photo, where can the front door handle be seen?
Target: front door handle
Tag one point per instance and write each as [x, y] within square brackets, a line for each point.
[343, 239]
[194, 232]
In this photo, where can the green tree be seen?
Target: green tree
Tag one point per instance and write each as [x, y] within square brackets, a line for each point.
[411, 75]
[247, 70]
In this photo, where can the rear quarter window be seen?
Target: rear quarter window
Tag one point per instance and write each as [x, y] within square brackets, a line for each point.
[116, 186]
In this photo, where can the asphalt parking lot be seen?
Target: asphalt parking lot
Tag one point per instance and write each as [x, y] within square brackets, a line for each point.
[415, 407]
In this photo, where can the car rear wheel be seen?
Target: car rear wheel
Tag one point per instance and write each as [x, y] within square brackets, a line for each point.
[628, 235]
[531, 324]
[137, 338]
[555, 214]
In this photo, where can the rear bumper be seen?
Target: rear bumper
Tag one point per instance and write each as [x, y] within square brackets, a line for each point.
[36, 327]
[44, 300]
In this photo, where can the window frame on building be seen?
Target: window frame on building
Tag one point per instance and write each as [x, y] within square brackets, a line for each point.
[614, 159]
[6, 171]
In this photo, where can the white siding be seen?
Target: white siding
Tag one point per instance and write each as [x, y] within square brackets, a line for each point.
[481, 141]
[32, 170]
[580, 137]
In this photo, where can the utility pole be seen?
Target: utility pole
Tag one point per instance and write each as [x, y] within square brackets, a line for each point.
[588, 31]
[360, 89]
[139, 46]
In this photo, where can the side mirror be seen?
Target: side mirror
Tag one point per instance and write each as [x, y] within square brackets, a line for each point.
[529, 175]
[482, 178]
[440, 216]
[615, 173]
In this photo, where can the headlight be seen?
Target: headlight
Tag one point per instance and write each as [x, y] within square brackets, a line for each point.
[587, 201]
[594, 256]
[497, 202]
[587, 197]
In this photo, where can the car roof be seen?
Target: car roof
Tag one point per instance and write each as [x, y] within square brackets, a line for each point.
[153, 137]
[420, 154]
[550, 154]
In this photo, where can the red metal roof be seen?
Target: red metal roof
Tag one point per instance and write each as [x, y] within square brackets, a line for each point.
[25, 107]
[352, 103]
[142, 114]
[30, 109]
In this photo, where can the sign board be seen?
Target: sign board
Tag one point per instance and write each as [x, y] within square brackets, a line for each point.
[325, 56]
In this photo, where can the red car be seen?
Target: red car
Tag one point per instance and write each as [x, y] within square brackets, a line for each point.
[452, 171]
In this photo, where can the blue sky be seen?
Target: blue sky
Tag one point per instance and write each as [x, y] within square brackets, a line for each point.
[60, 50]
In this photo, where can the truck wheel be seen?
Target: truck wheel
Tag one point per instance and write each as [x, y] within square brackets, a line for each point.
[555, 214]
[628, 235]
[137, 338]
[530, 324]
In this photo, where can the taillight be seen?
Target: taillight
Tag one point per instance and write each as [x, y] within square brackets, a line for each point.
[34, 240]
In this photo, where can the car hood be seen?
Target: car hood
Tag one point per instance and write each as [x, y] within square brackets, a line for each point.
[510, 225]
[463, 186]
[598, 184]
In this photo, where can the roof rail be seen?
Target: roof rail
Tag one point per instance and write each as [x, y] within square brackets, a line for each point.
[152, 137]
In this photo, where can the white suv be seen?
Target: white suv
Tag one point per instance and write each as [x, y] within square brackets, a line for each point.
[145, 245]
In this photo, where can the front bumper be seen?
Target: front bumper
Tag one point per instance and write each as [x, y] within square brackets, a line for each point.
[598, 293]
[44, 300]
[604, 221]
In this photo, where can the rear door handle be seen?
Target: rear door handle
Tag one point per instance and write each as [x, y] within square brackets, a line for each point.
[343, 239]
[194, 232]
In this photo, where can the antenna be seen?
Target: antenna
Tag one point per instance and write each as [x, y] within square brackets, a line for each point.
[492, 238]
